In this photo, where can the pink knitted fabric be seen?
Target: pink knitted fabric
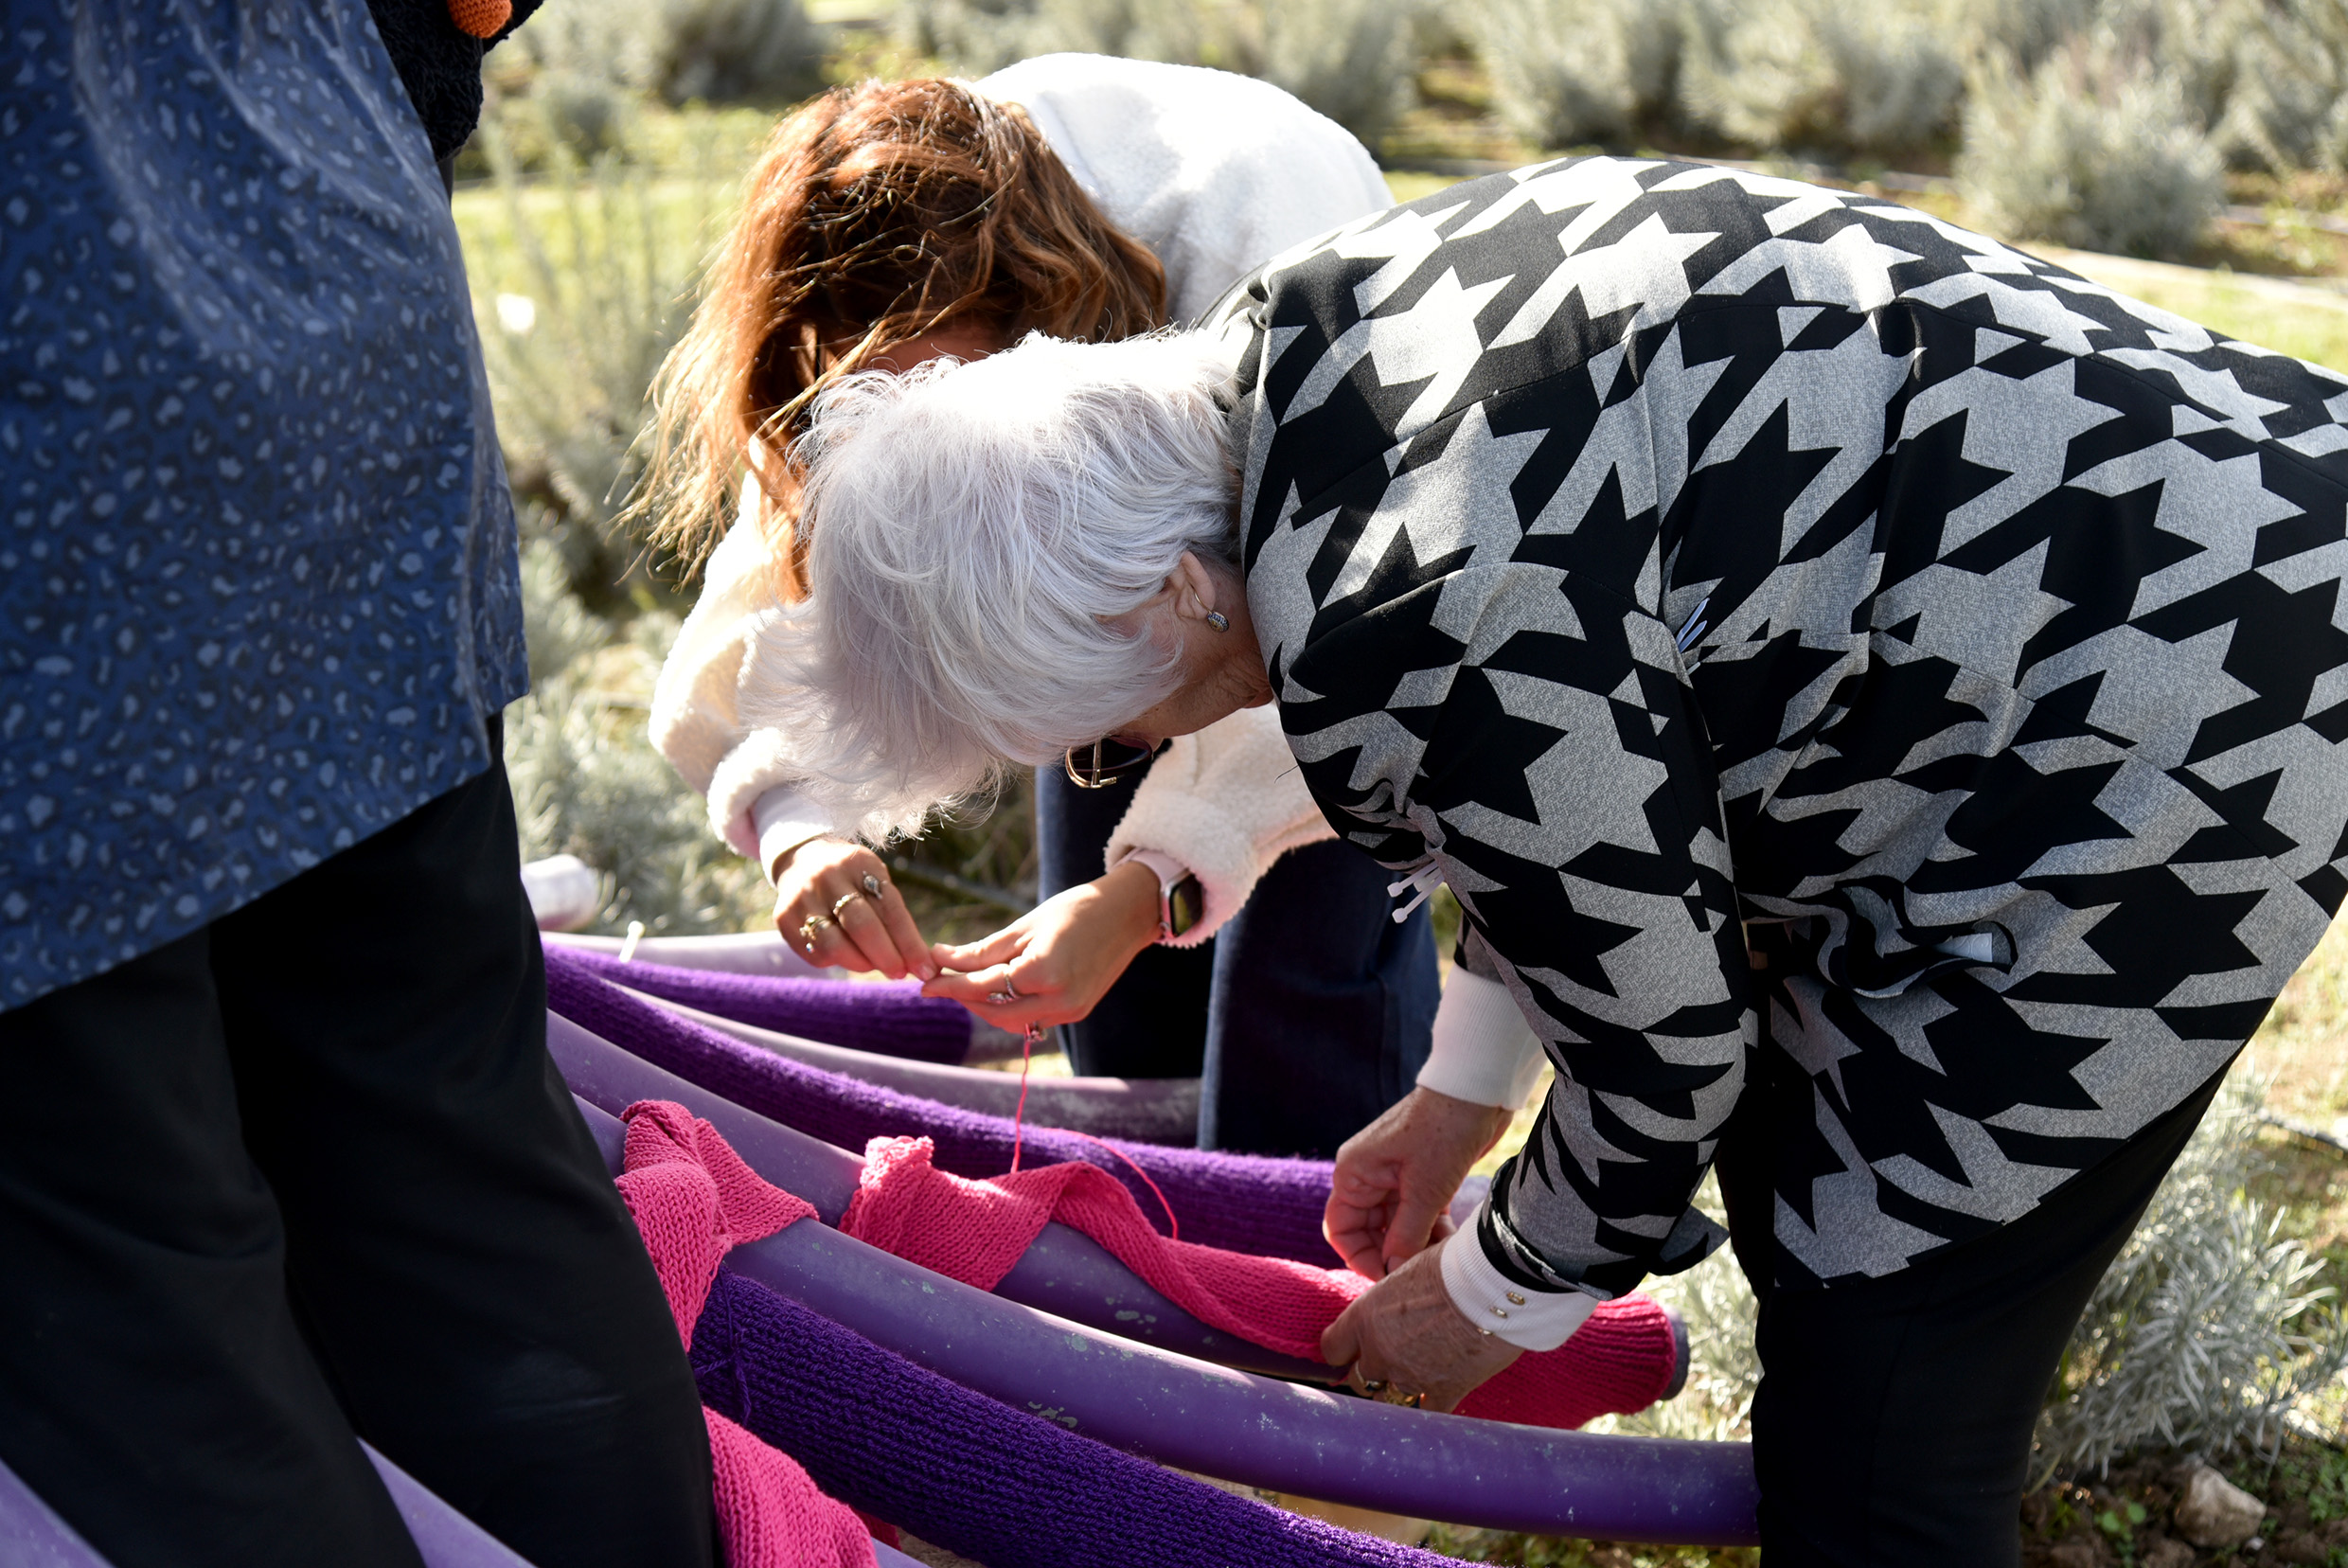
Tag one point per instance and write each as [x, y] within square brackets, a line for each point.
[1619, 1362]
[693, 1198]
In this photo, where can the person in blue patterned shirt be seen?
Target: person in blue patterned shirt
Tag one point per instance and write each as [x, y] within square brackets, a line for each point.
[296, 1166]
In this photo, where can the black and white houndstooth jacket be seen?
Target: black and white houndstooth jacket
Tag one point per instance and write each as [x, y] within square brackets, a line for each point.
[1664, 552]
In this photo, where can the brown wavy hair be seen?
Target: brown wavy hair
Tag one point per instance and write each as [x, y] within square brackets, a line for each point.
[877, 214]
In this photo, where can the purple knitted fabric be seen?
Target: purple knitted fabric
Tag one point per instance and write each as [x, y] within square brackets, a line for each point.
[892, 1018]
[1243, 1203]
[1008, 1489]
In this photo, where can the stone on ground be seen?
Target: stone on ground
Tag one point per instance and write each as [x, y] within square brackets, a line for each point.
[2215, 1512]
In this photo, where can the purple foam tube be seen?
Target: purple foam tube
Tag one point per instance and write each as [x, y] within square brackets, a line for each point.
[1161, 1111]
[1064, 1272]
[1227, 1423]
[1246, 1202]
[750, 953]
[445, 1538]
[889, 1018]
[32, 1535]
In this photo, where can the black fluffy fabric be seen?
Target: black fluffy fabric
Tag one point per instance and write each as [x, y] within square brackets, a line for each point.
[439, 65]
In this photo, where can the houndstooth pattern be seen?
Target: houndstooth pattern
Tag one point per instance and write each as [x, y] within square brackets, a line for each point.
[1668, 553]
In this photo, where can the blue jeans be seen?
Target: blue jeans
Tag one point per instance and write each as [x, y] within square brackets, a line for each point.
[1305, 1016]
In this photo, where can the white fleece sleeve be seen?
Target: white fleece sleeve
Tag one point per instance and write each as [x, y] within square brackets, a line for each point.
[1226, 803]
[697, 721]
[1483, 1053]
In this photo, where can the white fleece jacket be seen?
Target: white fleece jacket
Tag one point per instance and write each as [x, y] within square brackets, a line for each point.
[1215, 173]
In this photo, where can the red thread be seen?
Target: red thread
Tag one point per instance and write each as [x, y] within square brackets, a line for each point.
[1173, 1226]
[1019, 1118]
[1026, 1048]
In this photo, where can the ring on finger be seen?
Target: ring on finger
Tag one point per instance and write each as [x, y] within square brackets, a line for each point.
[1008, 993]
[1388, 1393]
[844, 901]
[873, 885]
[814, 923]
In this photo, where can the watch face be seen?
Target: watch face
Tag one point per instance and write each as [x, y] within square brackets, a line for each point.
[1186, 901]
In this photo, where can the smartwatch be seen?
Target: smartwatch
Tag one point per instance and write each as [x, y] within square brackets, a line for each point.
[1182, 902]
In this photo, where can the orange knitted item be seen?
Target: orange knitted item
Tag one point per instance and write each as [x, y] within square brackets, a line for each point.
[693, 1198]
[1619, 1362]
[480, 18]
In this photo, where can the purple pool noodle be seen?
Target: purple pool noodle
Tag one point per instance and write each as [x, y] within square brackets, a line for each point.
[445, 1538]
[32, 1535]
[888, 1018]
[1063, 1271]
[1221, 1422]
[1243, 1203]
[746, 953]
[1159, 1110]
[997, 1484]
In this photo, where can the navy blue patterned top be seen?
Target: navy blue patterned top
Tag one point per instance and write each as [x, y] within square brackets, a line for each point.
[258, 586]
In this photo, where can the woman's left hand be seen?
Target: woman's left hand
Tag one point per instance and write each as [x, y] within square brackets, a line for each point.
[1055, 962]
[1405, 1333]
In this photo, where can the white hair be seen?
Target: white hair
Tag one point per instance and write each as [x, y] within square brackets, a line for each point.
[973, 530]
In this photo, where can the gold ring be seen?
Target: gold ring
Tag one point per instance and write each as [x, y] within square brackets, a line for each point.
[844, 901]
[1388, 1393]
[814, 923]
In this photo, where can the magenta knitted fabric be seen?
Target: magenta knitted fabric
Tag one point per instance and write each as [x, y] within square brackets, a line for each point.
[1617, 1364]
[693, 1198]
[1243, 1202]
[998, 1485]
[892, 1018]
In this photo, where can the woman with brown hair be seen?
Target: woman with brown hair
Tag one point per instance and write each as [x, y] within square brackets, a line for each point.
[1090, 198]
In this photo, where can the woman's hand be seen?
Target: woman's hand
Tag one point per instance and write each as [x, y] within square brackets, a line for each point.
[1397, 1177]
[858, 930]
[1055, 961]
[1405, 1333]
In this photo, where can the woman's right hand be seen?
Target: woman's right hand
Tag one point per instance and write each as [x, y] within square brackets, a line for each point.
[1396, 1178]
[856, 930]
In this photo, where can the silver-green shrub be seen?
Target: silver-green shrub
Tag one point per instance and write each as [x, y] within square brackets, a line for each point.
[976, 37]
[1882, 77]
[595, 264]
[717, 51]
[2096, 149]
[559, 628]
[1565, 72]
[2288, 103]
[587, 782]
[1351, 59]
[2206, 1332]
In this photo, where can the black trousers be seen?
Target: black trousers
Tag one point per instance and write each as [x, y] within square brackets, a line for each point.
[1894, 1420]
[309, 1175]
[1307, 1015]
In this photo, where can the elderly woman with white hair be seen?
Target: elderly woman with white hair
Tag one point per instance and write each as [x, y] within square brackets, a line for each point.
[1875, 696]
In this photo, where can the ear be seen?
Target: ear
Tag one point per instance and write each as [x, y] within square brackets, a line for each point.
[1193, 588]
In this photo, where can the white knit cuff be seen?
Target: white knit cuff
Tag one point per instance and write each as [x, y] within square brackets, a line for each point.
[784, 818]
[1483, 1053]
[1526, 1318]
